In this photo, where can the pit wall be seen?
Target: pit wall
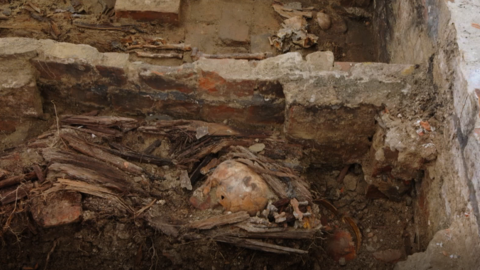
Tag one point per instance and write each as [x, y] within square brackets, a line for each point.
[326, 105]
[445, 36]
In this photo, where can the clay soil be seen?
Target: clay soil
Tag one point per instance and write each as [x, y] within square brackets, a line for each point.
[199, 27]
[108, 239]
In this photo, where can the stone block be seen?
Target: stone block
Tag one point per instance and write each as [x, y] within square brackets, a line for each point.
[66, 62]
[19, 96]
[320, 60]
[60, 208]
[61, 70]
[112, 68]
[14, 47]
[166, 11]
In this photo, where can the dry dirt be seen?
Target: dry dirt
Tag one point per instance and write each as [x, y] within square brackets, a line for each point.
[108, 239]
[199, 27]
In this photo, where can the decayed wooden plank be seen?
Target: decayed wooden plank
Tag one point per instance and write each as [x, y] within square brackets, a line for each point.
[138, 157]
[212, 129]
[68, 157]
[154, 145]
[39, 173]
[92, 151]
[87, 175]
[16, 179]
[82, 187]
[285, 233]
[219, 220]
[124, 123]
[259, 245]
[16, 193]
[12, 181]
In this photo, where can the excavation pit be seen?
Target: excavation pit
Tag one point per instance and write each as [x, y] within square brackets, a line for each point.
[380, 128]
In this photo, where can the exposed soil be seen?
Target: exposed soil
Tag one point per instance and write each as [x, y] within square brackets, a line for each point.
[199, 27]
[110, 238]
[107, 238]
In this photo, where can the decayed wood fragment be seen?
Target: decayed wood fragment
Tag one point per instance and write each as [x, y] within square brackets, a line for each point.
[138, 157]
[181, 47]
[86, 169]
[86, 188]
[87, 175]
[124, 123]
[219, 220]
[154, 145]
[101, 26]
[290, 13]
[92, 151]
[289, 233]
[11, 181]
[259, 245]
[164, 127]
[16, 179]
[39, 173]
[247, 56]
[343, 173]
[14, 194]
[159, 55]
[256, 228]
[211, 164]
[285, 233]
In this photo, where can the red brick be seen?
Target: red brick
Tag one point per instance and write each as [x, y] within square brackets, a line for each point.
[166, 11]
[211, 83]
[59, 208]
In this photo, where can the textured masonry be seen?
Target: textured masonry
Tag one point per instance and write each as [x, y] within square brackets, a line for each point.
[314, 100]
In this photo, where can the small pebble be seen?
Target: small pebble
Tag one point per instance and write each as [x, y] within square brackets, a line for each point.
[370, 235]
[342, 261]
